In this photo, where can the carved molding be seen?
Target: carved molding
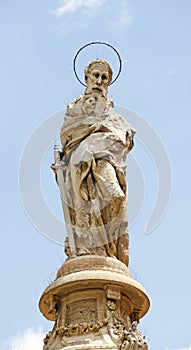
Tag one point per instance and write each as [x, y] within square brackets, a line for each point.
[81, 328]
[81, 318]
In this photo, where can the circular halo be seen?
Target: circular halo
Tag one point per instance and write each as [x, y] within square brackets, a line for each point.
[97, 43]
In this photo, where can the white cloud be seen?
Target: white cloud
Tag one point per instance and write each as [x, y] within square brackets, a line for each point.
[71, 6]
[168, 75]
[124, 19]
[83, 10]
[29, 340]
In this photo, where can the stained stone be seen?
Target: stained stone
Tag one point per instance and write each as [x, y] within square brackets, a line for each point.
[94, 302]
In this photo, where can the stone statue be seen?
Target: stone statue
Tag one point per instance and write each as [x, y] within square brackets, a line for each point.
[94, 302]
[90, 170]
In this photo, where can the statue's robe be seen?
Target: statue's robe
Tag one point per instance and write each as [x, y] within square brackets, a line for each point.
[95, 144]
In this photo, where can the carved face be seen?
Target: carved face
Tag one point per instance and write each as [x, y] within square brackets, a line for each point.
[111, 304]
[98, 79]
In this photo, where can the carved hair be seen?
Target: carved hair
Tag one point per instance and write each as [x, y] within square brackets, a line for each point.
[98, 61]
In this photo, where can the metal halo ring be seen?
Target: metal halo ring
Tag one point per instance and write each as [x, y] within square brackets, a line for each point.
[94, 43]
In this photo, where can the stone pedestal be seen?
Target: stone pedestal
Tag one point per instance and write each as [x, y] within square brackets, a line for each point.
[95, 303]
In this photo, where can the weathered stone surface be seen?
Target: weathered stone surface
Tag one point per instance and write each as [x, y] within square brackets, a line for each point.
[91, 262]
[94, 301]
[90, 170]
[93, 305]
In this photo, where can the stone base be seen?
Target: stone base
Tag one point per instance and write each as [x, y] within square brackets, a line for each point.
[94, 303]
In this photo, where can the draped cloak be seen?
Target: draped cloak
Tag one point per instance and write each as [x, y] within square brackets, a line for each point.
[95, 144]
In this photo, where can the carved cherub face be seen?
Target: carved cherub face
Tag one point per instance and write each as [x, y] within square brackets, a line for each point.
[98, 76]
[111, 304]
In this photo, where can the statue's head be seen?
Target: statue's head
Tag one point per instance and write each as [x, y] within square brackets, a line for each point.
[98, 76]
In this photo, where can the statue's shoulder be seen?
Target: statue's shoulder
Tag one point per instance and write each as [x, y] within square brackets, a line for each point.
[73, 108]
[121, 120]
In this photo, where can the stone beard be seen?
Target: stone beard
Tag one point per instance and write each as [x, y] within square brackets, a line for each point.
[90, 170]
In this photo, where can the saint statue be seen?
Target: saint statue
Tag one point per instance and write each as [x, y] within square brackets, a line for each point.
[90, 170]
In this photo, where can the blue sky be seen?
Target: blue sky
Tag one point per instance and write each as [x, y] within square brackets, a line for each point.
[38, 42]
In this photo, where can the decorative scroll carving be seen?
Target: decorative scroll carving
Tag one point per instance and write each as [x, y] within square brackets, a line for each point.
[53, 303]
[115, 322]
[125, 337]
